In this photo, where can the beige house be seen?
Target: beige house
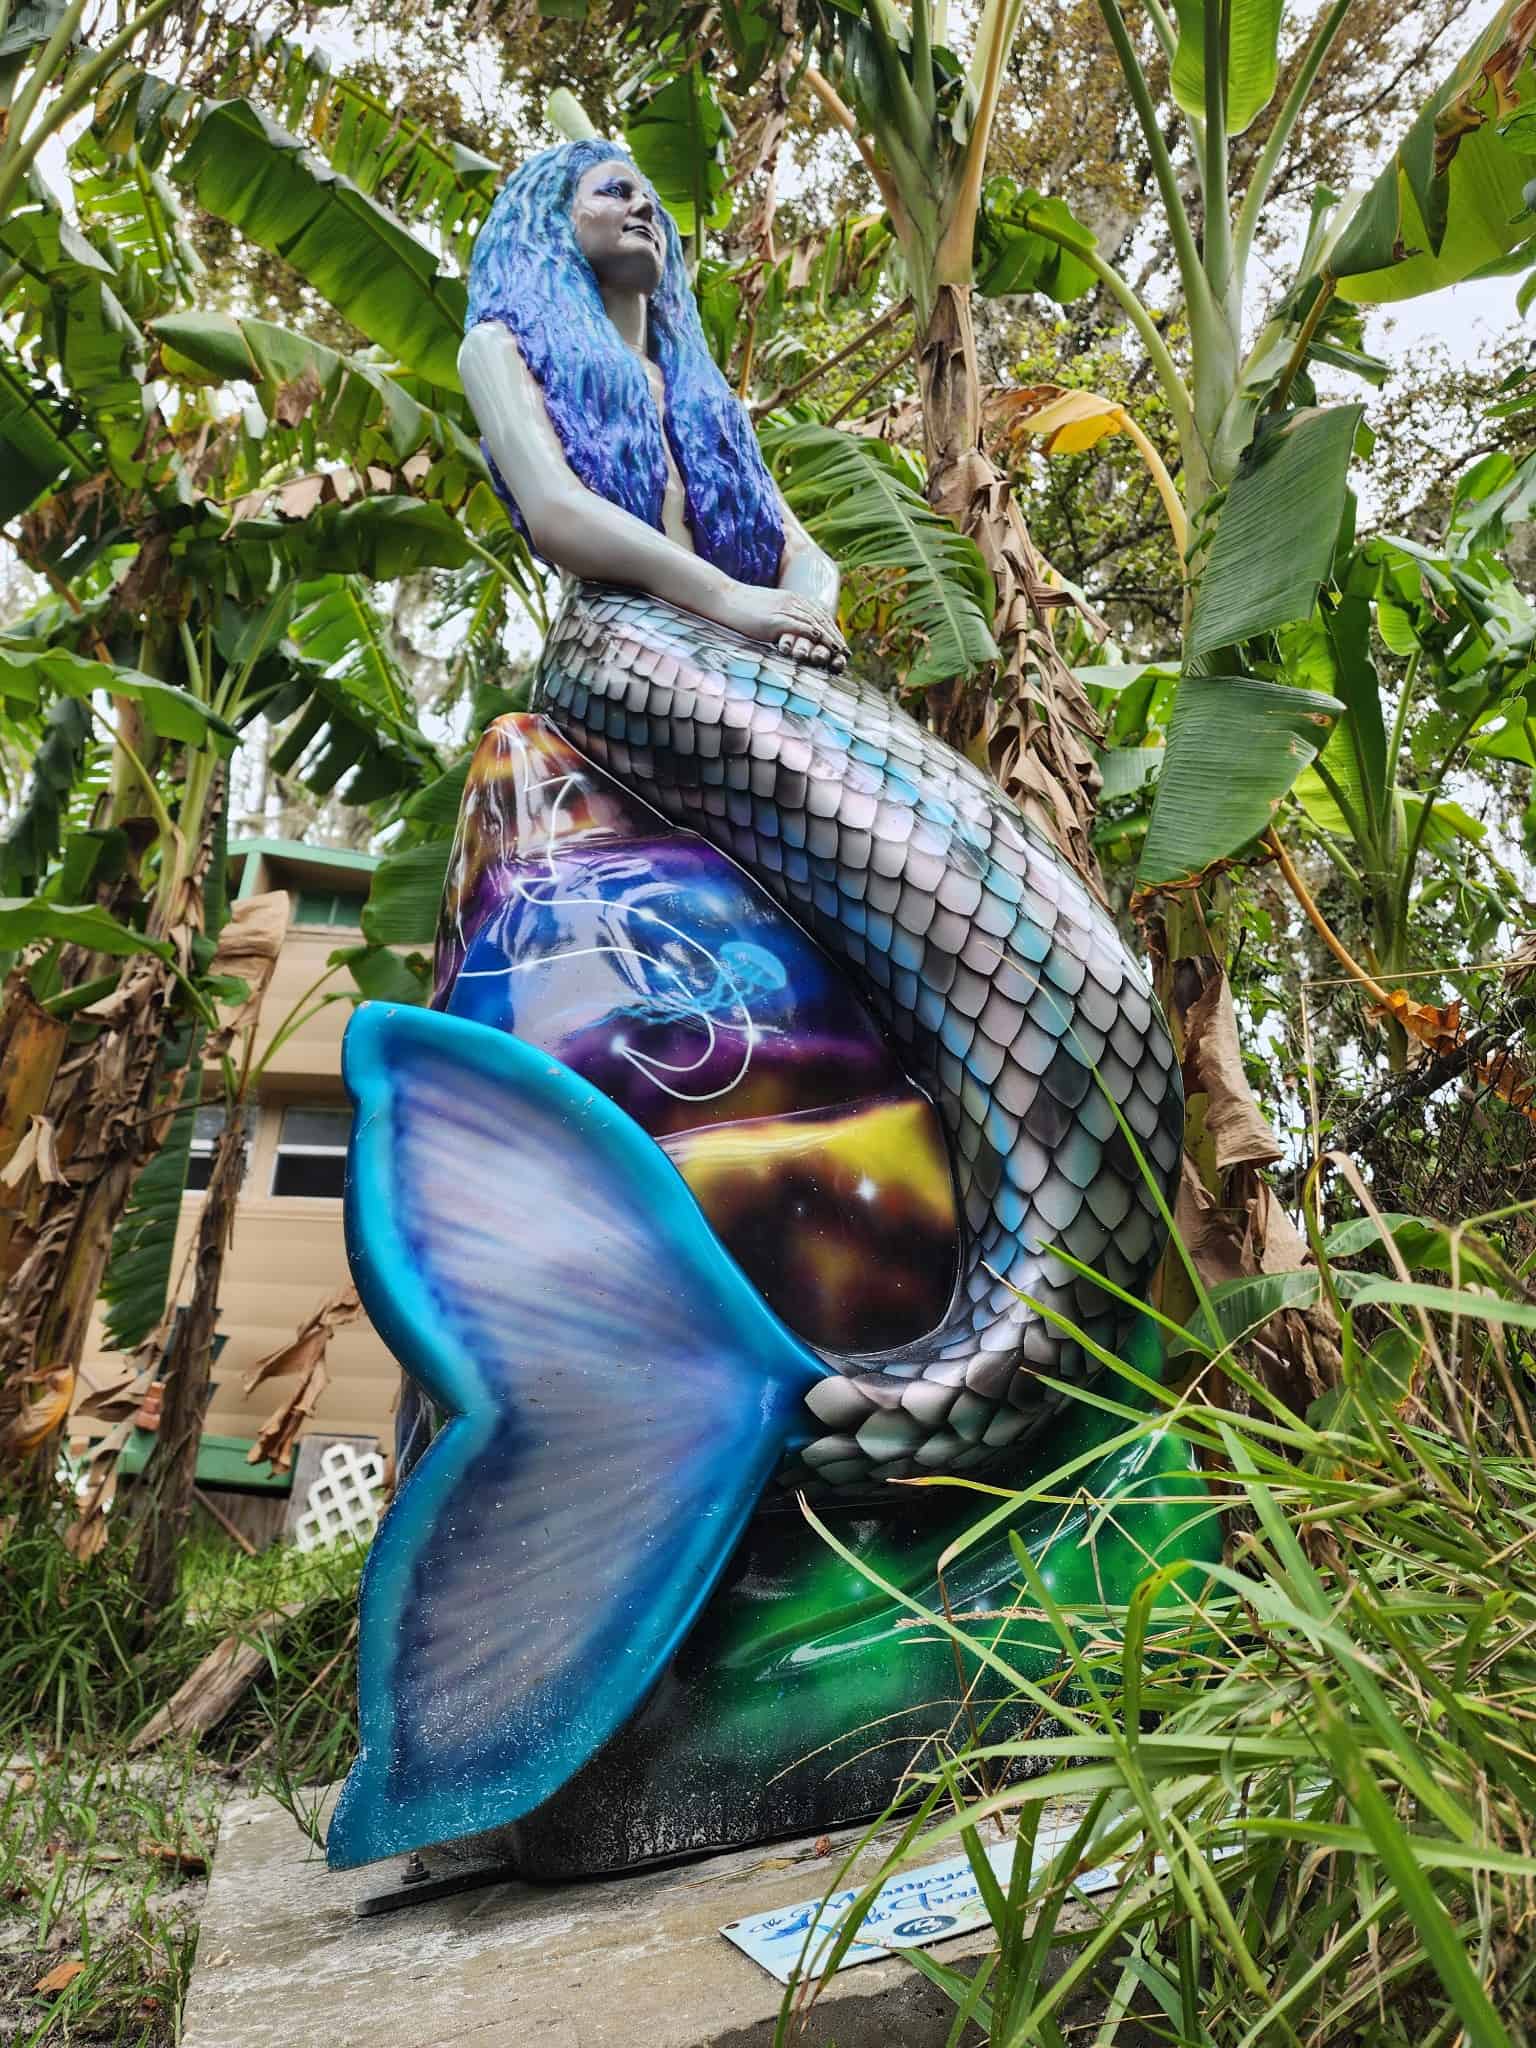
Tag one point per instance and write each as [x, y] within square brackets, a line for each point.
[288, 1252]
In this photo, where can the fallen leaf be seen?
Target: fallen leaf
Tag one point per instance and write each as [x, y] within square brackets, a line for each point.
[59, 1978]
[192, 1862]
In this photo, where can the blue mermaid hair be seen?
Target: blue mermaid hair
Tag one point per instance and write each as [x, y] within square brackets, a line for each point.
[528, 272]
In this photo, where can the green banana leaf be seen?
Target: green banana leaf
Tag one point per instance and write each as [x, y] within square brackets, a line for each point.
[1235, 746]
[69, 290]
[360, 407]
[130, 211]
[240, 165]
[369, 137]
[381, 976]
[861, 500]
[38, 448]
[407, 893]
[380, 538]
[1253, 59]
[340, 631]
[1126, 769]
[25, 920]
[30, 23]
[1274, 545]
[678, 138]
[1013, 255]
[173, 713]
[1245, 1305]
[1426, 1246]
[1332, 652]
[1451, 203]
[354, 720]
[137, 1282]
[34, 834]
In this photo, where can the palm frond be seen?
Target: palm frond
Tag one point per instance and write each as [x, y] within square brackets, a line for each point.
[338, 629]
[862, 501]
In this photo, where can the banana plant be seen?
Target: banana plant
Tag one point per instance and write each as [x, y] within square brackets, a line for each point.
[210, 555]
[1461, 635]
[1448, 205]
[48, 74]
[920, 119]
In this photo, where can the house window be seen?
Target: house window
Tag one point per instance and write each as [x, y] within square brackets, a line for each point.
[312, 1153]
[207, 1123]
[326, 906]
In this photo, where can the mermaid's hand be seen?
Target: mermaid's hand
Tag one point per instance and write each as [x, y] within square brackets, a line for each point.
[795, 625]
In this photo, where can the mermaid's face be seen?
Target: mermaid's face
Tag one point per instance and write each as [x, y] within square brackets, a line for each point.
[618, 227]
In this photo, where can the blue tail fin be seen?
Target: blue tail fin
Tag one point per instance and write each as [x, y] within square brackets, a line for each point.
[620, 1395]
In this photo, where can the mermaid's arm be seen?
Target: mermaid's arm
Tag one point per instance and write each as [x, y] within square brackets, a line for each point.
[805, 567]
[590, 537]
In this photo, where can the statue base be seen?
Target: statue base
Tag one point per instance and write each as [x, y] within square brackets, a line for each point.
[806, 1699]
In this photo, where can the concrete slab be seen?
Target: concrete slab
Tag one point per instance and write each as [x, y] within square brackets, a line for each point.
[631, 1962]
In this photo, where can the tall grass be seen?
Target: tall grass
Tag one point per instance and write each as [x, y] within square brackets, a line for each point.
[1315, 1764]
[101, 1851]
[77, 1671]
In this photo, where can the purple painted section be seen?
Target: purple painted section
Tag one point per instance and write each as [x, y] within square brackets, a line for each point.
[646, 961]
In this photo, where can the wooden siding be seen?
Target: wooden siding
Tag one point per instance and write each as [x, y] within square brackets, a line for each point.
[313, 1053]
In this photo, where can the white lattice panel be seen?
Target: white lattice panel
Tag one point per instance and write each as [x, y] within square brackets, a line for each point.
[346, 1500]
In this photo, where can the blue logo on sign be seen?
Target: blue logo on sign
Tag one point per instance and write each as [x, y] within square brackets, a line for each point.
[925, 1924]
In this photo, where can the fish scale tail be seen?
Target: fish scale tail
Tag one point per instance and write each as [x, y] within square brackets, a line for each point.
[1008, 991]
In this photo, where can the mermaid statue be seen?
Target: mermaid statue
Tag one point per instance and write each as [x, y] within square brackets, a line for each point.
[788, 1121]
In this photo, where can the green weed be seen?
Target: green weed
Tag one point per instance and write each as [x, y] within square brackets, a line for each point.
[102, 1853]
[1315, 1766]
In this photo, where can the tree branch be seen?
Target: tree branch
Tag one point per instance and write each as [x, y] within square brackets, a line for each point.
[792, 391]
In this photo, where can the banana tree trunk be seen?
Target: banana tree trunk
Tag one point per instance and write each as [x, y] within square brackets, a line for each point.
[1227, 1214]
[1031, 716]
[107, 1107]
[166, 1490]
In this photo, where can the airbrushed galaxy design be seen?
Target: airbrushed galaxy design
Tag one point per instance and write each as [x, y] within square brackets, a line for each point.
[648, 962]
[1007, 991]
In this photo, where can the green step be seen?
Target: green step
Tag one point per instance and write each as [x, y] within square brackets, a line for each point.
[221, 1462]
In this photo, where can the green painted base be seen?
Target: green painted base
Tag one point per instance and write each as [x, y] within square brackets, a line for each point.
[804, 1692]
